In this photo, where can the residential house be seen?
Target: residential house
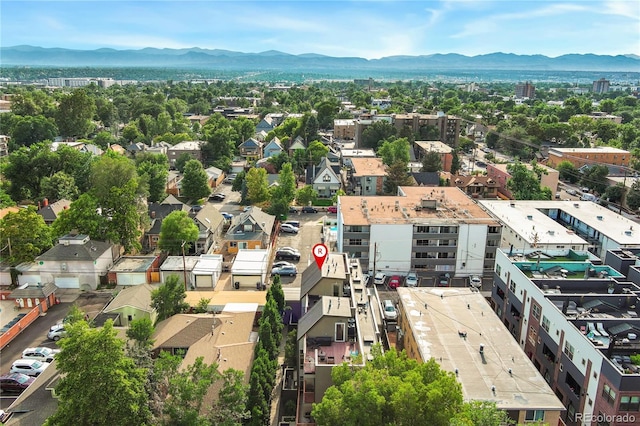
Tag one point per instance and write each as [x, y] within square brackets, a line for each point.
[366, 176]
[296, 145]
[136, 147]
[273, 148]
[173, 179]
[499, 173]
[251, 149]
[250, 230]
[132, 303]
[35, 294]
[426, 178]
[135, 270]
[444, 151]
[238, 165]
[75, 262]
[50, 212]
[265, 124]
[323, 178]
[210, 225]
[260, 136]
[215, 176]
[476, 186]
[157, 212]
[193, 148]
[473, 344]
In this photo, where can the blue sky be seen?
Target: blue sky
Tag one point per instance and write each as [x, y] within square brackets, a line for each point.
[369, 29]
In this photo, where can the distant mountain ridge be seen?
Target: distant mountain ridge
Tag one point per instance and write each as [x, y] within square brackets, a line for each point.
[276, 60]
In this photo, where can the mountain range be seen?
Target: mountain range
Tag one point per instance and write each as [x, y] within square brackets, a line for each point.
[275, 60]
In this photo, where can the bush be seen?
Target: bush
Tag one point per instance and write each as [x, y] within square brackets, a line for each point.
[323, 202]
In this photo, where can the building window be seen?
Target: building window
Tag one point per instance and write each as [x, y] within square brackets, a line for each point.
[340, 332]
[545, 323]
[233, 244]
[446, 255]
[498, 269]
[448, 229]
[422, 229]
[494, 229]
[534, 415]
[568, 350]
[512, 286]
[489, 255]
[422, 242]
[630, 403]
[326, 178]
[353, 229]
[608, 394]
[492, 243]
[536, 311]
[355, 242]
[426, 255]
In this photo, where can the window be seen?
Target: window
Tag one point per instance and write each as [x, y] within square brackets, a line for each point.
[446, 255]
[536, 311]
[489, 255]
[498, 269]
[422, 243]
[326, 178]
[233, 244]
[494, 229]
[512, 286]
[353, 229]
[545, 323]
[534, 415]
[340, 329]
[630, 403]
[448, 230]
[568, 350]
[427, 255]
[422, 229]
[492, 243]
[608, 394]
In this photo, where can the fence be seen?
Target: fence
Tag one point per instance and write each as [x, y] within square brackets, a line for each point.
[10, 334]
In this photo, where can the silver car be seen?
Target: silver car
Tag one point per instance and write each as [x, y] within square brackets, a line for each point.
[30, 367]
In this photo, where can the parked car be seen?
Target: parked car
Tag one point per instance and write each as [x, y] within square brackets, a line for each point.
[281, 263]
[288, 228]
[411, 280]
[40, 353]
[572, 191]
[56, 332]
[332, 209]
[309, 209]
[443, 280]
[390, 311]
[247, 208]
[15, 382]
[394, 282]
[292, 271]
[227, 216]
[217, 197]
[30, 367]
[295, 223]
[486, 150]
[230, 178]
[287, 253]
[293, 210]
[475, 281]
[481, 164]
[379, 278]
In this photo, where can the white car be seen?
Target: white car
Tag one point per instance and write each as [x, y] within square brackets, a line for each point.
[411, 280]
[379, 279]
[390, 311]
[475, 281]
[40, 353]
[288, 228]
[281, 264]
[30, 367]
[56, 332]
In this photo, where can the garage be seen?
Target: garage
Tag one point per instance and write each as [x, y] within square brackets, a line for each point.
[67, 282]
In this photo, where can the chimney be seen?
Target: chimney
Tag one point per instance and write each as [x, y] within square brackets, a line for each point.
[153, 214]
[45, 202]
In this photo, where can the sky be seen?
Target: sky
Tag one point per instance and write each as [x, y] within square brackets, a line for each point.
[369, 29]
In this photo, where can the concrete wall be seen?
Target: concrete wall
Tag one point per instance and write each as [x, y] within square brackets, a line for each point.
[393, 246]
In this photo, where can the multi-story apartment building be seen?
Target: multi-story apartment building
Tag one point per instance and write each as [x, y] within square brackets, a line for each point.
[525, 90]
[421, 148]
[366, 176]
[344, 129]
[554, 224]
[433, 231]
[581, 156]
[500, 174]
[340, 323]
[187, 147]
[601, 86]
[4, 145]
[455, 326]
[578, 321]
[447, 126]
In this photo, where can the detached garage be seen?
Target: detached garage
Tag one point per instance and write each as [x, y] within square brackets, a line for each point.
[207, 271]
[249, 269]
[67, 282]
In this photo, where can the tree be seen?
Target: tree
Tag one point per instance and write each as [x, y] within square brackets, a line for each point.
[633, 197]
[182, 161]
[284, 193]
[75, 113]
[154, 174]
[23, 236]
[140, 331]
[168, 299]
[390, 389]
[379, 131]
[5, 200]
[231, 407]
[311, 128]
[316, 151]
[455, 163]
[524, 184]
[257, 185]
[306, 195]
[99, 385]
[396, 176]
[177, 233]
[615, 193]
[59, 186]
[111, 170]
[481, 413]
[123, 213]
[83, 216]
[568, 172]
[431, 162]
[29, 130]
[594, 177]
[195, 183]
[394, 150]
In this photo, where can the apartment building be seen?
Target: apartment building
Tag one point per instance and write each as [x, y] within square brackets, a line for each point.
[555, 224]
[578, 321]
[601, 86]
[525, 90]
[366, 176]
[186, 147]
[339, 324]
[447, 126]
[581, 156]
[455, 326]
[422, 148]
[434, 231]
[344, 129]
[499, 173]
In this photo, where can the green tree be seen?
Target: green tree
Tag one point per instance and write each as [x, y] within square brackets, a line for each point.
[524, 184]
[394, 150]
[168, 299]
[568, 172]
[182, 161]
[306, 195]
[107, 389]
[155, 177]
[316, 151]
[311, 128]
[29, 130]
[195, 183]
[5, 199]
[455, 163]
[140, 331]
[397, 175]
[391, 389]
[379, 131]
[231, 407]
[284, 193]
[327, 111]
[111, 170]
[291, 349]
[177, 229]
[633, 197]
[83, 215]
[23, 236]
[595, 178]
[59, 186]
[257, 185]
[431, 162]
[615, 193]
[75, 113]
[481, 413]
[124, 215]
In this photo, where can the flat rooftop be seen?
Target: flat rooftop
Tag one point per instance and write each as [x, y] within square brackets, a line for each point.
[450, 324]
[515, 214]
[437, 146]
[368, 167]
[598, 150]
[133, 264]
[452, 206]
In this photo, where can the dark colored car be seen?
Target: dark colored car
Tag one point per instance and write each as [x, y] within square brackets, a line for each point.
[293, 210]
[291, 271]
[309, 209]
[286, 254]
[217, 197]
[15, 382]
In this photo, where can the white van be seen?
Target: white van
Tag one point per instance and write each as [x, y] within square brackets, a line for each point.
[587, 197]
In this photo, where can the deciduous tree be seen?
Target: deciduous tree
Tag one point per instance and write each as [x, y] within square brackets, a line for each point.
[379, 131]
[82, 215]
[195, 183]
[524, 184]
[75, 113]
[168, 299]
[29, 130]
[231, 407]
[568, 172]
[257, 185]
[23, 236]
[595, 178]
[396, 176]
[394, 150]
[177, 229]
[306, 195]
[59, 186]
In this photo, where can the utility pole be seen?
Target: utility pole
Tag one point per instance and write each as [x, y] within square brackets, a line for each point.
[375, 257]
[184, 266]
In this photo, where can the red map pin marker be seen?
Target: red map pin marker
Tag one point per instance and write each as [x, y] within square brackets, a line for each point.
[320, 252]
